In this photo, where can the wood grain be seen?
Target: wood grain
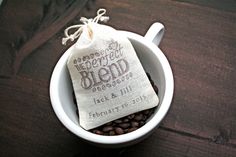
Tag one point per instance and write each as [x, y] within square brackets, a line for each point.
[228, 5]
[46, 25]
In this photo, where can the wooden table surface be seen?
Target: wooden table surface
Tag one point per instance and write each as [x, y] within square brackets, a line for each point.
[199, 42]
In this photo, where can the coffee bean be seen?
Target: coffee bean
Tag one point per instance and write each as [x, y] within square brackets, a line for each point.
[134, 124]
[124, 125]
[144, 117]
[126, 120]
[107, 128]
[106, 134]
[98, 132]
[118, 121]
[111, 133]
[146, 112]
[141, 123]
[108, 124]
[132, 129]
[119, 130]
[150, 112]
[131, 116]
[138, 117]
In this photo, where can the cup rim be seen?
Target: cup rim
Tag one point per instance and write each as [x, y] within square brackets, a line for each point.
[94, 138]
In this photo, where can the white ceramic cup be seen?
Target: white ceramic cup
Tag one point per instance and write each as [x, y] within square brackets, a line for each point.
[153, 61]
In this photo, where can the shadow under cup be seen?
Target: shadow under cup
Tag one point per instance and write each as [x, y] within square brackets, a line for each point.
[152, 62]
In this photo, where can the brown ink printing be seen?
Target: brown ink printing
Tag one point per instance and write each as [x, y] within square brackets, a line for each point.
[101, 69]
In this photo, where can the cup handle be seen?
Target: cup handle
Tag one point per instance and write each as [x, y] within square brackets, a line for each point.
[155, 33]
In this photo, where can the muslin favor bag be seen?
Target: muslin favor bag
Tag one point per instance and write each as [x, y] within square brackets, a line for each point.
[108, 79]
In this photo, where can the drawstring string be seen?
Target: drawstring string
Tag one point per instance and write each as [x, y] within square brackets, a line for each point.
[79, 27]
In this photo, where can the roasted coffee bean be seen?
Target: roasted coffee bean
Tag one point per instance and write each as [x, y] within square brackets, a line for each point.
[144, 117]
[138, 117]
[131, 116]
[106, 134]
[118, 121]
[150, 113]
[107, 128]
[132, 129]
[146, 112]
[108, 124]
[111, 133]
[124, 125]
[126, 120]
[98, 132]
[119, 131]
[141, 123]
[134, 124]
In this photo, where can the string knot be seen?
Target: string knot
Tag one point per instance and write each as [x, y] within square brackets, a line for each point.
[79, 28]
